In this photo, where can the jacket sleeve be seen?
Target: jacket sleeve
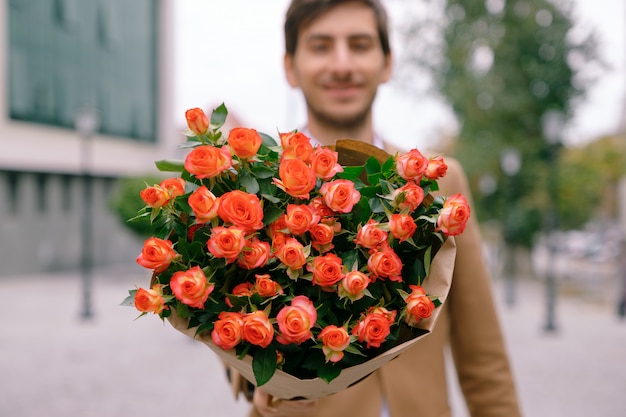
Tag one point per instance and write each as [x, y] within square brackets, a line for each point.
[476, 339]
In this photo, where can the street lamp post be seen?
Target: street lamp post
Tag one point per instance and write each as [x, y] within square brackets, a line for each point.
[552, 124]
[511, 163]
[86, 124]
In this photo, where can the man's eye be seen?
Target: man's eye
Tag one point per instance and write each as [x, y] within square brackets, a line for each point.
[360, 46]
[319, 47]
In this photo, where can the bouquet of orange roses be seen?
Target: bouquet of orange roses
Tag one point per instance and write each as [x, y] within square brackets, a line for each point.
[287, 263]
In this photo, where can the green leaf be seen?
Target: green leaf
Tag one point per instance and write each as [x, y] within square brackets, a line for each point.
[218, 116]
[349, 258]
[427, 260]
[386, 187]
[376, 205]
[189, 144]
[268, 141]
[350, 173]
[130, 300]
[182, 310]
[170, 165]
[372, 166]
[329, 371]
[271, 198]
[264, 365]
[249, 182]
[388, 168]
[270, 214]
[374, 179]
[416, 272]
[262, 172]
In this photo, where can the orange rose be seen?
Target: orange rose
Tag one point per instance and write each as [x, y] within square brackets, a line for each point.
[197, 121]
[241, 209]
[374, 327]
[228, 330]
[208, 161]
[226, 242]
[299, 218]
[191, 287]
[340, 195]
[402, 226]
[266, 287]
[257, 329]
[296, 178]
[327, 270]
[353, 285]
[412, 165]
[324, 163]
[244, 289]
[322, 235]
[175, 186]
[437, 168]
[385, 263]
[409, 196]
[296, 320]
[296, 145]
[370, 235]
[157, 254]
[155, 196]
[244, 143]
[204, 204]
[291, 253]
[321, 208]
[255, 254]
[150, 301]
[335, 340]
[279, 240]
[278, 226]
[418, 306]
[454, 215]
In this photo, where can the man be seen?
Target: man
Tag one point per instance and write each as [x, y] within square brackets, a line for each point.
[337, 53]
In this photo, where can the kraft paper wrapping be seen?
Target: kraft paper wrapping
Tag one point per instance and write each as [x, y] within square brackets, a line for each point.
[285, 386]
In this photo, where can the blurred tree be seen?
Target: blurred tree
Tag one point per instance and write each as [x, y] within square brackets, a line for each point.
[511, 71]
[588, 178]
[126, 203]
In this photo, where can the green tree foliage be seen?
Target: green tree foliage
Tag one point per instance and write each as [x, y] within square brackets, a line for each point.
[506, 68]
[588, 178]
[126, 203]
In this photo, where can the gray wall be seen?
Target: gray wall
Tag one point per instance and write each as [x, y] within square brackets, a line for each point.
[40, 224]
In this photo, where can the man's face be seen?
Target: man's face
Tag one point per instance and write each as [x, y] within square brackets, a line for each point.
[339, 64]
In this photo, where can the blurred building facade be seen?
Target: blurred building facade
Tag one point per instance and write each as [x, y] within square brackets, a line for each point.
[60, 59]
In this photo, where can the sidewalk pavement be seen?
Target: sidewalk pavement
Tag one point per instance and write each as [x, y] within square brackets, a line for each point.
[55, 364]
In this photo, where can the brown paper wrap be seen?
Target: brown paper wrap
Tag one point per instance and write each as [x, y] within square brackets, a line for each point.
[285, 386]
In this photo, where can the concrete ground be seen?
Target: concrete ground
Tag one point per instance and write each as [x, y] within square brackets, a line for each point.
[53, 363]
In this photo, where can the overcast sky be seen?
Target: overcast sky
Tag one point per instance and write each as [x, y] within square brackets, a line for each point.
[223, 54]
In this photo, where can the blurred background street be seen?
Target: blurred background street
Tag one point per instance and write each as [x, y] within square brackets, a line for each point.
[54, 363]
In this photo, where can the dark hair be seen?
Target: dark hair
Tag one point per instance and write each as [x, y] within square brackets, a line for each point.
[303, 12]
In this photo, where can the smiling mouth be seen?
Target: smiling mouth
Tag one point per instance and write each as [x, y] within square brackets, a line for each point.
[341, 87]
[342, 91]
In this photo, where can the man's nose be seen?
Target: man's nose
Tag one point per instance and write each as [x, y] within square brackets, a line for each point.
[342, 60]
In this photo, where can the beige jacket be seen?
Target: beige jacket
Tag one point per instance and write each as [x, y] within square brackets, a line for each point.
[415, 383]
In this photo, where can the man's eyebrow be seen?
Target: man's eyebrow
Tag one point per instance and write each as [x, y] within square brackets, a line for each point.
[325, 37]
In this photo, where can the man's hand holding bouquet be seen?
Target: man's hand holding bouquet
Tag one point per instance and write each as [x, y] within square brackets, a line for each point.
[303, 274]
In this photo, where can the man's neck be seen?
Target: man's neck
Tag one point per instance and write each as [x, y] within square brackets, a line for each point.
[327, 135]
